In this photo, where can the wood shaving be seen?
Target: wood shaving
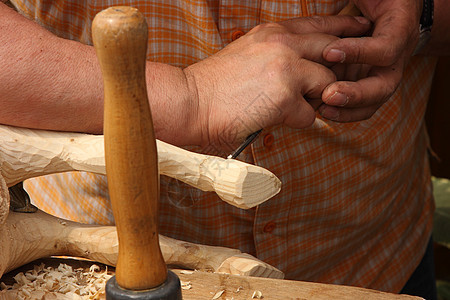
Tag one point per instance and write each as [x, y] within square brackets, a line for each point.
[186, 272]
[185, 285]
[62, 281]
[257, 295]
[218, 295]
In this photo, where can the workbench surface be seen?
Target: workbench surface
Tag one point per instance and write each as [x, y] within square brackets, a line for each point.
[209, 285]
[198, 285]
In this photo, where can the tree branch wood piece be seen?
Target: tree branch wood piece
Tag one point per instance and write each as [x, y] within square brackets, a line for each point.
[27, 153]
[27, 237]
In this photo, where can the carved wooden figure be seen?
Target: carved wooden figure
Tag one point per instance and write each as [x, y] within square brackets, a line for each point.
[27, 153]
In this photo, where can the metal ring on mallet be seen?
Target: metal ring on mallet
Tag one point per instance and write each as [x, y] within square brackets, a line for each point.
[120, 40]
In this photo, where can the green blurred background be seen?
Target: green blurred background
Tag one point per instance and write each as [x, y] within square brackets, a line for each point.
[441, 236]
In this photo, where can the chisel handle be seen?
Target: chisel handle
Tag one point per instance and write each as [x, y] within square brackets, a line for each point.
[120, 39]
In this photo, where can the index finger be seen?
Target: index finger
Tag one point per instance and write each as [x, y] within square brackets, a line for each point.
[341, 26]
[392, 35]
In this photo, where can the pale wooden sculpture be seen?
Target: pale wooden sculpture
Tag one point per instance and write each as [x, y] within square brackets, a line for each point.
[27, 153]
[26, 237]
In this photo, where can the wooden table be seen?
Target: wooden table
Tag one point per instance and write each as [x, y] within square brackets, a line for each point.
[204, 285]
[207, 285]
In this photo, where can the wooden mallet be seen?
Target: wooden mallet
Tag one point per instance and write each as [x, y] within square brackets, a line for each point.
[120, 39]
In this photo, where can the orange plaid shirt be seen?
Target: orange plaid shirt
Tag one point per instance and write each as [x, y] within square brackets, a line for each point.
[356, 202]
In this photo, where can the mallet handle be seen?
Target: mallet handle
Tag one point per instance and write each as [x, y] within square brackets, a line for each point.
[120, 39]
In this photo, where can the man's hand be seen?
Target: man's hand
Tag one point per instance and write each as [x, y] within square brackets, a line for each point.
[264, 78]
[387, 50]
[257, 81]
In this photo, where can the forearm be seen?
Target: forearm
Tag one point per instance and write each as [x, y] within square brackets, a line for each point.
[439, 43]
[47, 82]
[53, 83]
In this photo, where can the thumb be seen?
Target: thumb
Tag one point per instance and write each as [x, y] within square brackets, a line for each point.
[392, 35]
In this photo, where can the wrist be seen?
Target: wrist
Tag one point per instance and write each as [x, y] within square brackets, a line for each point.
[173, 105]
[199, 120]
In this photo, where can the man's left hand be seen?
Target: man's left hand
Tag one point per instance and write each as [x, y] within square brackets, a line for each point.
[372, 66]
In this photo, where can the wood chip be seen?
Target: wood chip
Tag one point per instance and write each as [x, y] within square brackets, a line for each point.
[185, 285]
[186, 272]
[63, 282]
[257, 295]
[218, 295]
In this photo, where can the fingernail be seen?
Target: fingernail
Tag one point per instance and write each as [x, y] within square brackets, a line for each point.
[337, 99]
[329, 112]
[362, 20]
[335, 55]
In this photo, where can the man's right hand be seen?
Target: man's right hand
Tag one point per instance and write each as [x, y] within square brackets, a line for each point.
[265, 77]
[258, 81]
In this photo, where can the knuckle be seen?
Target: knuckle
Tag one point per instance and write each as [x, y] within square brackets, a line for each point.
[390, 89]
[278, 38]
[319, 85]
[359, 54]
[309, 119]
[357, 97]
[329, 77]
[355, 50]
[319, 23]
[389, 55]
[267, 27]
[278, 65]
